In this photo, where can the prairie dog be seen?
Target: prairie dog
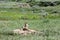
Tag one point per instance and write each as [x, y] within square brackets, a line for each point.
[25, 27]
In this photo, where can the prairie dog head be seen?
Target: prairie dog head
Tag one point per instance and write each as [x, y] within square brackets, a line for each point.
[26, 25]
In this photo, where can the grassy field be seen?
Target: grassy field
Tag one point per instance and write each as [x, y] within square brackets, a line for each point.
[11, 19]
[14, 18]
[49, 27]
[27, 13]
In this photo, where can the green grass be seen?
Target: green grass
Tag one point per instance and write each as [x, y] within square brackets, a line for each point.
[27, 13]
[13, 18]
[49, 27]
[17, 16]
[27, 16]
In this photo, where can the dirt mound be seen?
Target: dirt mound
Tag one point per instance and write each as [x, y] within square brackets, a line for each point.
[20, 31]
[25, 30]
